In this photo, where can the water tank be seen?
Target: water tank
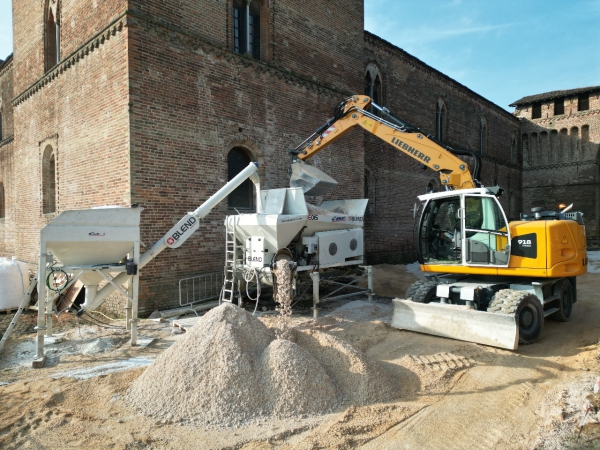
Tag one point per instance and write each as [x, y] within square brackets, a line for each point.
[14, 282]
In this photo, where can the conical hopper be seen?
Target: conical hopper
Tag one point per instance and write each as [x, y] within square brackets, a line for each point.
[92, 236]
[312, 181]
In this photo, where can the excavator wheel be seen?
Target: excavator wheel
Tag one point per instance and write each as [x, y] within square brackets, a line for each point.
[564, 291]
[410, 292]
[527, 309]
[426, 292]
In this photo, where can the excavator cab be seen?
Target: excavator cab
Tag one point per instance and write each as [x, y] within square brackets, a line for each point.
[463, 228]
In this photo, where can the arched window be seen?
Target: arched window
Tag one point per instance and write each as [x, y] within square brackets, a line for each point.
[369, 191]
[246, 27]
[2, 202]
[585, 134]
[544, 156]
[513, 145]
[554, 146]
[512, 207]
[574, 142]
[242, 198]
[373, 86]
[52, 34]
[440, 120]
[432, 186]
[526, 149]
[483, 136]
[49, 180]
[534, 148]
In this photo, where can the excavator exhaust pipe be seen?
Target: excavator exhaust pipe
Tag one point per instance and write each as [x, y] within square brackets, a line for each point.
[457, 322]
[313, 181]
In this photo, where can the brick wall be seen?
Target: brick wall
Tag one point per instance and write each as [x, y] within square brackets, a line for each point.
[411, 90]
[7, 244]
[80, 109]
[323, 41]
[6, 96]
[80, 20]
[193, 100]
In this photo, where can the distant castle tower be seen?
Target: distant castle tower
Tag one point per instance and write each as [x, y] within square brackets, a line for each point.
[560, 136]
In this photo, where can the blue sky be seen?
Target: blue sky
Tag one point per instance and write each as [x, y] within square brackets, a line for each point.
[501, 49]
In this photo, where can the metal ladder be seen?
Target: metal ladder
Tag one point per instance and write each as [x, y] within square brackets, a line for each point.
[231, 250]
[25, 301]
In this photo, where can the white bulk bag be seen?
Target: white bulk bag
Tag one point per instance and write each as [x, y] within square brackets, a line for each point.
[14, 282]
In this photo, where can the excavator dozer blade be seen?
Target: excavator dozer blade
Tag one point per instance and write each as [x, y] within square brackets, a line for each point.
[457, 322]
[312, 181]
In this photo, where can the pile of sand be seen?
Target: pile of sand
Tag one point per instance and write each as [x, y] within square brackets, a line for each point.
[230, 369]
[315, 210]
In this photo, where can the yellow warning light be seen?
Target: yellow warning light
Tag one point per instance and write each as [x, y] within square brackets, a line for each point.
[562, 205]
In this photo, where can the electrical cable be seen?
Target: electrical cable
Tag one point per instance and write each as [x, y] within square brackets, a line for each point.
[109, 318]
[248, 279]
[95, 322]
[100, 323]
[62, 284]
[86, 321]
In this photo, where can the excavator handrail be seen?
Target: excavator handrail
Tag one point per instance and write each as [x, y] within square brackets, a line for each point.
[426, 149]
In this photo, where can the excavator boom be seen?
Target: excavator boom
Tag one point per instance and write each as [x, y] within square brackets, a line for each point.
[352, 112]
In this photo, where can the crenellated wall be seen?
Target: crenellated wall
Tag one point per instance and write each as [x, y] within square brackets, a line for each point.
[560, 157]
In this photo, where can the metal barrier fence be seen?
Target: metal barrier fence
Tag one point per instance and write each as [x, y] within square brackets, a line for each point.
[199, 288]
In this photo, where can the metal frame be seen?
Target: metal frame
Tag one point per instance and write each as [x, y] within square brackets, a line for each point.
[47, 298]
[214, 279]
[316, 280]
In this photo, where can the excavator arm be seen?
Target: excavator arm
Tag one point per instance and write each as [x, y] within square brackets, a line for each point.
[454, 173]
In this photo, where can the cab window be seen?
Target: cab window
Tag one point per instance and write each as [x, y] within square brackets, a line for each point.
[486, 235]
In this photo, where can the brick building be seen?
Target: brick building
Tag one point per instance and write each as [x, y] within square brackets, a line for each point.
[157, 103]
[453, 113]
[560, 135]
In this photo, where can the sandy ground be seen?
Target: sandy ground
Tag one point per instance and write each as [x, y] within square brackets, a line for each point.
[454, 395]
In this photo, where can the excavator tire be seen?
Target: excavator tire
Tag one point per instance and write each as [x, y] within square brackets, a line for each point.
[412, 289]
[527, 309]
[426, 292]
[564, 291]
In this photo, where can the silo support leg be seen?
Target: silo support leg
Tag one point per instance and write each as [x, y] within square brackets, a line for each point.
[316, 278]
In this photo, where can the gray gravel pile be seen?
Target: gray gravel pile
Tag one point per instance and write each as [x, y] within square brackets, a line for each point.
[315, 210]
[360, 379]
[230, 369]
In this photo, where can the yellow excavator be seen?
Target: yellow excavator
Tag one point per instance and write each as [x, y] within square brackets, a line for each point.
[487, 280]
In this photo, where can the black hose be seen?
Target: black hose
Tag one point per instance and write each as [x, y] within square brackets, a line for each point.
[102, 323]
[388, 116]
[92, 321]
[456, 151]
